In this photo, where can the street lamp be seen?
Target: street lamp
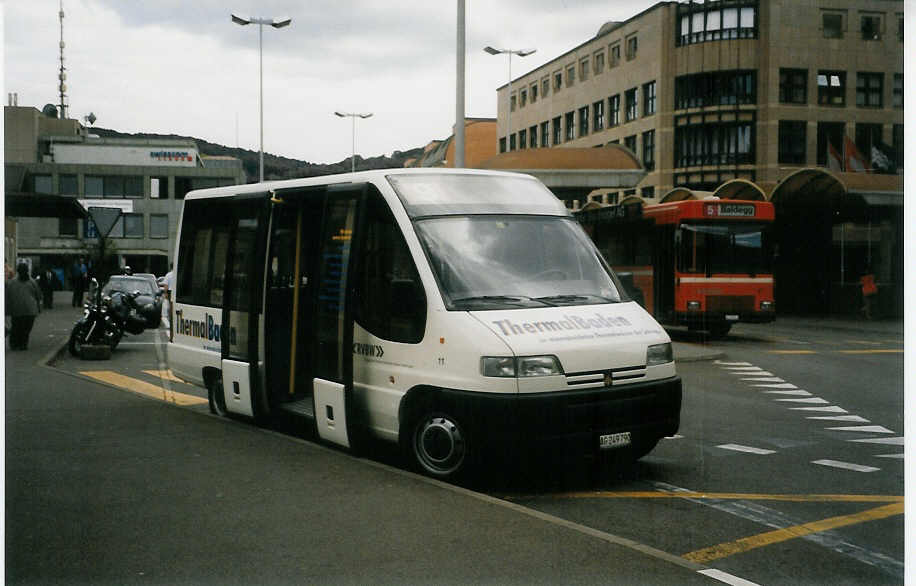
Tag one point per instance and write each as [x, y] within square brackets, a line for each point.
[276, 23]
[353, 116]
[510, 52]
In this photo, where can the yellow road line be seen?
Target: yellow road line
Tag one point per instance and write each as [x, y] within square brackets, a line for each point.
[770, 537]
[143, 388]
[164, 374]
[894, 351]
[799, 498]
[792, 351]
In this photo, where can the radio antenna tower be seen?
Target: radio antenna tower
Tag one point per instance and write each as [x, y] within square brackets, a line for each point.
[62, 76]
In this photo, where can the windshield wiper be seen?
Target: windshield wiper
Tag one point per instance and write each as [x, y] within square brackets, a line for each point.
[566, 299]
[511, 299]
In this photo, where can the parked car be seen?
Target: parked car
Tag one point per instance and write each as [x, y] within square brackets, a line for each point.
[149, 300]
[150, 277]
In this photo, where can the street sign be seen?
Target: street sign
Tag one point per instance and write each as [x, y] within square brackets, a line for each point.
[104, 219]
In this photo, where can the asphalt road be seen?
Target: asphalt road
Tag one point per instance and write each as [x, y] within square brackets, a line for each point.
[757, 484]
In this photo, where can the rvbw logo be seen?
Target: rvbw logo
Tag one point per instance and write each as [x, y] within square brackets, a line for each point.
[371, 350]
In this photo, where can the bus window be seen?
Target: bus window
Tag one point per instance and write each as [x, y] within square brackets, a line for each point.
[202, 250]
[724, 248]
[391, 302]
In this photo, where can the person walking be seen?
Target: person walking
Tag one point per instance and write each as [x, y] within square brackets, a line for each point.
[23, 303]
[48, 282]
[869, 290]
[76, 281]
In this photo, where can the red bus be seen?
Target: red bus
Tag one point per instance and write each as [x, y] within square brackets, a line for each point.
[705, 264]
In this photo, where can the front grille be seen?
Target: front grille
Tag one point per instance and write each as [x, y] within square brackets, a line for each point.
[730, 303]
[596, 379]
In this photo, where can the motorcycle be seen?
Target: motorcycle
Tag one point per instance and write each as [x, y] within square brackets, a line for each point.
[127, 314]
[97, 327]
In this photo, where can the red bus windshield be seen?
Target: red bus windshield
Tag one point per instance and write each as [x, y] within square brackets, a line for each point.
[729, 248]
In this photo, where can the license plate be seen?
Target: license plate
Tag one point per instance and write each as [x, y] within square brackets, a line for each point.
[731, 317]
[614, 440]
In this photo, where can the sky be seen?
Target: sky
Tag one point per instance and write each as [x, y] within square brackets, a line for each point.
[172, 66]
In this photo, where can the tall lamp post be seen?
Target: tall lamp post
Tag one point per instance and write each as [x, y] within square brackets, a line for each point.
[276, 23]
[510, 52]
[353, 116]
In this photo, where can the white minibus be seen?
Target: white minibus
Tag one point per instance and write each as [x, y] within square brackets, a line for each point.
[447, 310]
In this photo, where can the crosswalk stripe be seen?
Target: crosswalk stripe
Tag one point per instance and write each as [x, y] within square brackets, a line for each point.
[846, 465]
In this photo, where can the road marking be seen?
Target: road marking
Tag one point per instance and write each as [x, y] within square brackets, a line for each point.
[747, 449]
[743, 369]
[850, 418]
[799, 393]
[892, 441]
[831, 409]
[727, 578]
[736, 496]
[895, 456]
[812, 400]
[846, 465]
[723, 363]
[763, 379]
[887, 351]
[776, 386]
[143, 388]
[863, 429]
[748, 543]
[792, 351]
[164, 374]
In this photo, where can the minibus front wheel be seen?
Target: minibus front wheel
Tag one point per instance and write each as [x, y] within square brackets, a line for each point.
[438, 444]
[215, 395]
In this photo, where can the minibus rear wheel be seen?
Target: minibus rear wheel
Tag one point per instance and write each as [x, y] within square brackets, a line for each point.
[438, 444]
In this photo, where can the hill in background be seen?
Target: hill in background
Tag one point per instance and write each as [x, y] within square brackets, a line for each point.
[277, 167]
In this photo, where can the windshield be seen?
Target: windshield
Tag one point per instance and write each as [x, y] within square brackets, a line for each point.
[499, 262]
[740, 248]
[128, 286]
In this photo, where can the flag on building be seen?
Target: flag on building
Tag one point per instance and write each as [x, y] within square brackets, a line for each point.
[855, 162]
[883, 158]
[833, 159]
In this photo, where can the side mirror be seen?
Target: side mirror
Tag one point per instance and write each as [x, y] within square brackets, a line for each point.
[93, 287]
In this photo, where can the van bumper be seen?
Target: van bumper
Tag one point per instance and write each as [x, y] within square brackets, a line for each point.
[573, 421]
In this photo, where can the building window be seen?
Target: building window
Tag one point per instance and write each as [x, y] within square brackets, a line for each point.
[831, 88]
[898, 90]
[93, 186]
[42, 184]
[512, 142]
[512, 103]
[583, 121]
[871, 27]
[793, 86]
[615, 55]
[113, 186]
[570, 125]
[599, 62]
[583, 69]
[545, 87]
[68, 185]
[630, 142]
[632, 45]
[648, 192]
[870, 90]
[830, 138]
[133, 225]
[523, 99]
[792, 141]
[533, 136]
[598, 116]
[648, 96]
[613, 111]
[557, 81]
[832, 23]
[868, 136]
[502, 144]
[66, 227]
[570, 75]
[714, 143]
[522, 138]
[648, 150]
[701, 22]
[720, 88]
[159, 226]
[557, 132]
[534, 93]
[631, 101]
[545, 136]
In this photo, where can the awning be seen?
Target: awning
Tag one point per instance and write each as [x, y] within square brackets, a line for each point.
[41, 205]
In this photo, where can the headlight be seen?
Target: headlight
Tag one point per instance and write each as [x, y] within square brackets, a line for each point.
[693, 306]
[659, 354]
[767, 306]
[523, 366]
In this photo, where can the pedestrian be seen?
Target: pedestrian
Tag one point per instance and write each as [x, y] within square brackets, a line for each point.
[48, 283]
[869, 290]
[77, 281]
[23, 303]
